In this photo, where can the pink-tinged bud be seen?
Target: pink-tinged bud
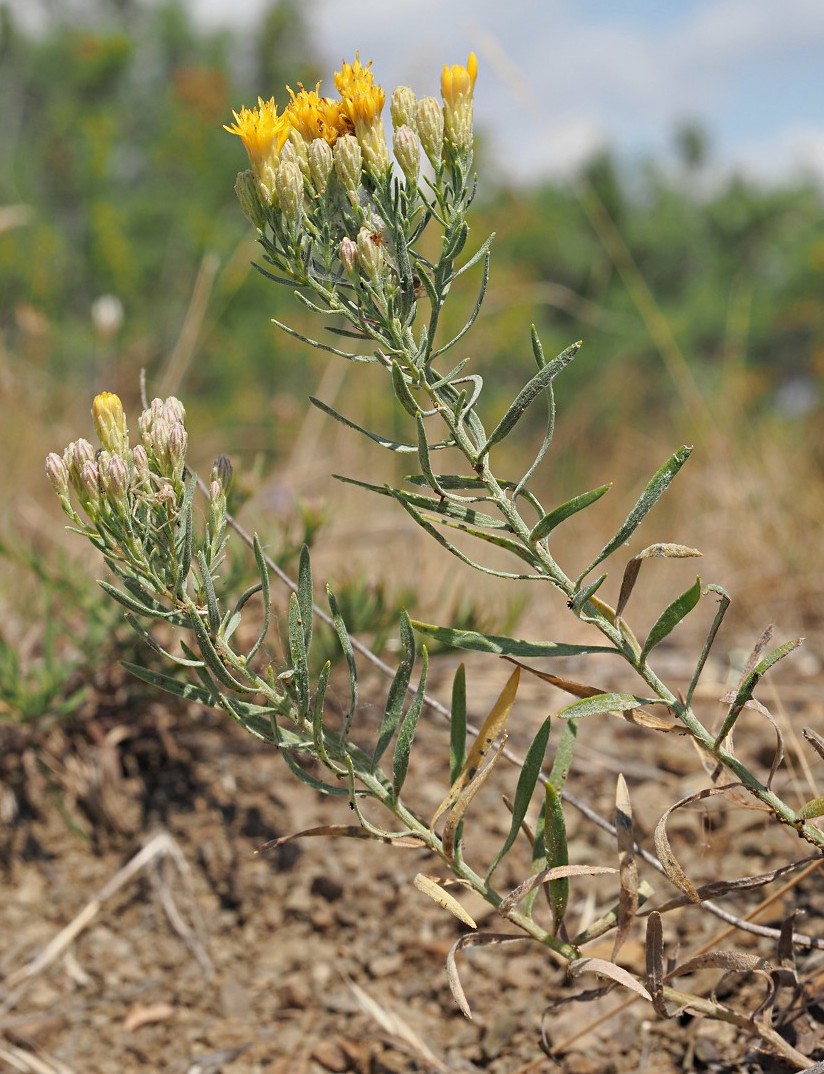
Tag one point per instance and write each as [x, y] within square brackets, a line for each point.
[75, 455]
[110, 423]
[90, 484]
[174, 410]
[407, 152]
[430, 128]
[113, 474]
[320, 163]
[58, 473]
[290, 191]
[216, 494]
[222, 471]
[178, 439]
[348, 162]
[349, 256]
[403, 108]
[370, 253]
[140, 461]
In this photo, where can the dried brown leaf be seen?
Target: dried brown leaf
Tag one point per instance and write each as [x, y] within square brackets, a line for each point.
[557, 872]
[655, 964]
[608, 969]
[627, 866]
[432, 886]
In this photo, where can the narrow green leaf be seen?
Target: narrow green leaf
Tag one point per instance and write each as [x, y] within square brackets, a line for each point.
[400, 757]
[475, 310]
[581, 596]
[208, 584]
[155, 646]
[557, 853]
[423, 456]
[346, 646]
[633, 568]
[306, 598]
[457, 724]
[317, 345]
[502, 645]
[318, 736]
[436, 505]
[297, 655]
[263, 572]
[384, 442]
[657, 486]
[151, 611]
[601, 703]
[212, 658]
[554, 518]
[537, 347]
[564, 751]
[723, 604]
[187, 690]
[187, 531]
[549, 431]
[397, 691]
[527, 781]
[538, 863]
[745, 690]
[527, 395]
[671, 617]
[402, 391]
[310, 780]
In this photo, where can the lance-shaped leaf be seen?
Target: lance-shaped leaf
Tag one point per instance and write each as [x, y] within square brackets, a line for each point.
[723, 604]
[657, 486]
[557, 854]
[263, 571]
[750, 681]
[478, 301]
[549, 432]
[811, 809]
[544, 526]
[671, 617]
[187, 690]
[457, 724]
[527, 781]
[400, 758]
[633, 568]
[502, 645]
[305, 596]
[527, 395]
[150, 608]
[628, 867]
[609, 970]
[346, 646]
[186, 533]
[403, 392]
[297, 654]
[383, 441]
[397, 691]
[436, 505]
[490, 729]
[601, 703]
[318, 736]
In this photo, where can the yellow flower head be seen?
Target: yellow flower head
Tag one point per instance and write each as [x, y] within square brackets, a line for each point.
[110, 423]
[262, 132]
[313, 116]
[457, 86]
[351, 75]
[362, 102]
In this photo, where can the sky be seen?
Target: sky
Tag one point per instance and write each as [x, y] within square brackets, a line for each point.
[559, 79]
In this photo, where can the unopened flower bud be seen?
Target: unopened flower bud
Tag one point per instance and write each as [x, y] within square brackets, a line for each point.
[75, 455]
[178, 440]
[174, 410]
[222, 471]
[407, 152]
[115, 481]
[248, 194]
[140, 461]
[402, 107]
[290, 191]
[348, 253]
[90, 484]
[430, 128]
[296, 149]
[348, 161]
[58, 473]
[110, 422]
[320, 163]
[216, 494]
[457, 87]
[370, 254]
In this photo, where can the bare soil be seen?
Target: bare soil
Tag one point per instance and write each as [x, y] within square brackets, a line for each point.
[321, 955]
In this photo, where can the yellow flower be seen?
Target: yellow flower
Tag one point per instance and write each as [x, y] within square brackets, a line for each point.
[353, 74]
[361, 103]
[457, 85]
[262, 132]
[110, 423]
[313, 116]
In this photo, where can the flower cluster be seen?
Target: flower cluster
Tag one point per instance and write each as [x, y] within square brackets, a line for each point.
[321, 181]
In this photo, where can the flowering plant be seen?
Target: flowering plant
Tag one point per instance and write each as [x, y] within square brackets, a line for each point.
[342, 226]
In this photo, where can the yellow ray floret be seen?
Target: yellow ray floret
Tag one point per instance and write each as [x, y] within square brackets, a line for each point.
[352, 75]
[313, 116]
[262, 131]
[457, 85]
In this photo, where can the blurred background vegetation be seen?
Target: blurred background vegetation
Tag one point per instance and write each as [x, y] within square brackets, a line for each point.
[122, 248]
